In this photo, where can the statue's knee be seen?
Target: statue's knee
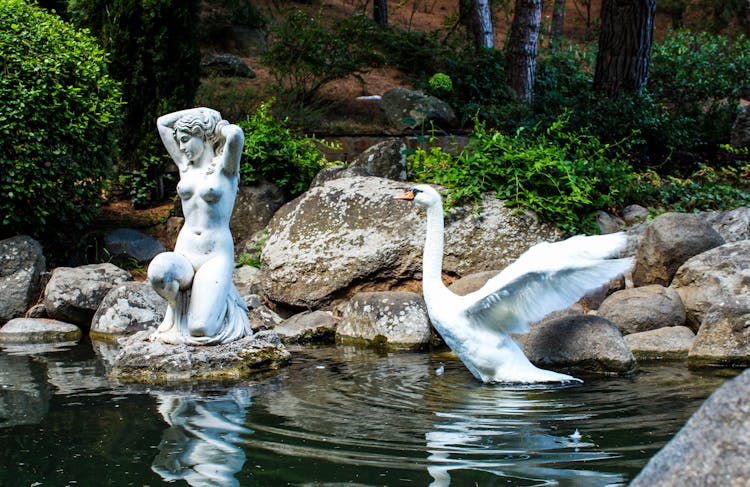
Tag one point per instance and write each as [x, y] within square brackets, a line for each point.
[169, 271]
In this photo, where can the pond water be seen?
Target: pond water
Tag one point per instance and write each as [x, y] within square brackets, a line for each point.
[335, 416]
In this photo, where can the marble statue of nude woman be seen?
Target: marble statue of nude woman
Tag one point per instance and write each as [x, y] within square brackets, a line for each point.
[204, 306]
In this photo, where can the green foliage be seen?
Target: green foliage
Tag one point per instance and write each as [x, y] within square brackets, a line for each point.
[305, 54]
[273, 152]
[58, 112]
[707, 188]
[700, 77]
[219, 15]
[154, 53]
[440, 83]
[562, 175]
[144, 184]
[480, 87]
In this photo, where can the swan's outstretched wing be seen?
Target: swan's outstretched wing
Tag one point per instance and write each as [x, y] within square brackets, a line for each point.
[547, 278]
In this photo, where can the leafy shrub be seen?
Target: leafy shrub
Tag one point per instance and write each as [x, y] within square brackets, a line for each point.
[440, 83]
[561, 175]
[305, 54]
[59, 110]
[273, 152]
[700, 77]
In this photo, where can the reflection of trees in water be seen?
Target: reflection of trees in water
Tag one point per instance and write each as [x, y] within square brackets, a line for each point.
[201, 444]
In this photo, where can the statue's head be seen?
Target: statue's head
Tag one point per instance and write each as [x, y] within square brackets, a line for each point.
[196, 129]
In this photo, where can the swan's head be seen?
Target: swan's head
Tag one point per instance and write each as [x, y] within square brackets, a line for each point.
[423, 194]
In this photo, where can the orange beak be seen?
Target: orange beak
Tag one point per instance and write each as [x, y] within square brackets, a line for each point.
[406, 195]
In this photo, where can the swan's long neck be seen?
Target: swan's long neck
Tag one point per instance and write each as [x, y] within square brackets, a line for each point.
[432, 256]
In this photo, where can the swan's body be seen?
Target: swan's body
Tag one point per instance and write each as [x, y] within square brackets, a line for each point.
[546, 278]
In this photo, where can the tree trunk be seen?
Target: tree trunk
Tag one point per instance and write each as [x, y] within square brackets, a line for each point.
[380, 12]
[522, 46]
[484, 36]
[558, 20]
[624, 57]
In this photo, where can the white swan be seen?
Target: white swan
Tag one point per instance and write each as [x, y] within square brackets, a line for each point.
[547, 277]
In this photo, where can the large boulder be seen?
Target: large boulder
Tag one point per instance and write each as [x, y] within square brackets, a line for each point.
[585, 342]
[395, 319]
[227, 65]
[713, 448]
[670, 240]
[407, 110]
[73, 294]
[724, 336]
[350, 231]
[128, 308]
[643, 308]
[22, 263]
[719, 275]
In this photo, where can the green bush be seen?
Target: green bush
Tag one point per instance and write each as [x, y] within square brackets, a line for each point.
[274, 153]
[564, 176]
[700, 77]
[59, 111]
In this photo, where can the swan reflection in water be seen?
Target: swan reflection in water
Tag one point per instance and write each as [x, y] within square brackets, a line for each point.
[506, 433]
[201, 444]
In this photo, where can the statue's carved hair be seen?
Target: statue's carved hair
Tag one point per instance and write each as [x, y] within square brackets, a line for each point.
[204, 123]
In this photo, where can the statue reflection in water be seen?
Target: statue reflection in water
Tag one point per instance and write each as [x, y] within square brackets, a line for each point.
[201, 444]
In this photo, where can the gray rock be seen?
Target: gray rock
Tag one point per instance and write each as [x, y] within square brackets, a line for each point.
[608, 223]
[669, 342]
[724, 336]
[740, 135]
[719, 275]
[38, 330]
[713, 448]
[21, 266]
[263, 318]
[73, 294]
[733, 225]
[643, 308]
[308, 327]
[395, 319]
[127, 308]
[386, 159]
[670, 240]
[247, 279]
[406, 110]
[226, 65]
[472, 282]
[37, 311]
[253, 209]
[328, 173]
[143, 361]
[584, 342]
[350, 231]
[634, 214]
[126, 243]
